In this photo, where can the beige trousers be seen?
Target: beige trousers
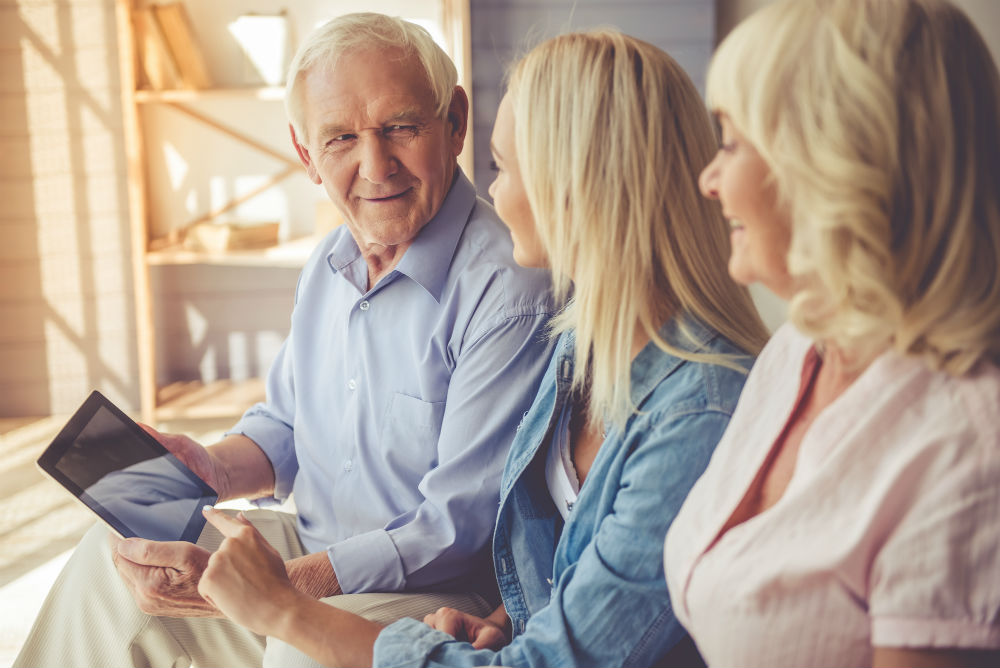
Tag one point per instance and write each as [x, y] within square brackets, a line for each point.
[90, 619]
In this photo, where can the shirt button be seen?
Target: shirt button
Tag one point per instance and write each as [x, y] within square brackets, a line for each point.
[364, 305]
[348, 465]
[351, 385]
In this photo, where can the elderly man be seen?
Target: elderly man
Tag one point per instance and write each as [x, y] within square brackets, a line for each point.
[415, 345]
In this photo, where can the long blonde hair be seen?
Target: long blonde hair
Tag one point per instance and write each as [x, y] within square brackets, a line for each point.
[880, 121]
[610, 134]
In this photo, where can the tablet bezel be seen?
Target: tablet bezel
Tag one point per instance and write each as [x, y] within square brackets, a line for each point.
[67, 437]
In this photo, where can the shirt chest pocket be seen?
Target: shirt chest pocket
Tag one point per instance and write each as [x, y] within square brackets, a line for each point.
[410, 435]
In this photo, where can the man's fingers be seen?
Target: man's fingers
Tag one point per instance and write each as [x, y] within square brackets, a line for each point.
[154, 553]
[227, 525]
[155, 434]
[128, 571]
[149, 430]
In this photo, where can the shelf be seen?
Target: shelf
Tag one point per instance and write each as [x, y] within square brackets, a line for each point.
[196, 400]
[291, 254]
[192, 95]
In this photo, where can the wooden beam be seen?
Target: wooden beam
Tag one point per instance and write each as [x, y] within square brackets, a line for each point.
[138, 208]
[229, 132]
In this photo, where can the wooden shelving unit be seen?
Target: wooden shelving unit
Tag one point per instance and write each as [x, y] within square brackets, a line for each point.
[289, 254]
[273, 93]
[195, 398]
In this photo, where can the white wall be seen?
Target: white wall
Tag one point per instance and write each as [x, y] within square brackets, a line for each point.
[984, 13]
[67, 321]
[502, 30]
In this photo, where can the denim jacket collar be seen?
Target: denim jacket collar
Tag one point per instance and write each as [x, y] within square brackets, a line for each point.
[651, 365]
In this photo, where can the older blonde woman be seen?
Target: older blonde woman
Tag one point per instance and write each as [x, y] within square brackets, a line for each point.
[851, 514]
[597, 143]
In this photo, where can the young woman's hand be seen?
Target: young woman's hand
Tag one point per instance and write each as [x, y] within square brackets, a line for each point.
[482, 633]
[246, 577]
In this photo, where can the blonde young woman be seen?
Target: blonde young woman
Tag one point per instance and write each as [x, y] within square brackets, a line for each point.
[597, 145]
[851, 514]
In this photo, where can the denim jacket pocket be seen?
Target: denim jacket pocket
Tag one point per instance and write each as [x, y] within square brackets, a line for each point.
[410, 433]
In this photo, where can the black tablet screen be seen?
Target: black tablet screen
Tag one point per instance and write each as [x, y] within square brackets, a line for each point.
[126, 476]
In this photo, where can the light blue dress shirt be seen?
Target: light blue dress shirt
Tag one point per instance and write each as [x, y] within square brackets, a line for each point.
[590, 591]
[390, 411]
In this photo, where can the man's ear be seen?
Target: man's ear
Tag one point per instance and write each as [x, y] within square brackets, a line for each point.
[304, 156]
[458, 118]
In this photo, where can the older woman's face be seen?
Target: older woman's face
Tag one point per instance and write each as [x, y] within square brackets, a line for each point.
[760, 230]
[507, 191]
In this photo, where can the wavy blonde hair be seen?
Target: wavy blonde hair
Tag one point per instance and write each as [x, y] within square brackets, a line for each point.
[610, 134]
[880, 121]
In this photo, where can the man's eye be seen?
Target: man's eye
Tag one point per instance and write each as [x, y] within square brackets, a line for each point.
[401, 130]
[340, 139]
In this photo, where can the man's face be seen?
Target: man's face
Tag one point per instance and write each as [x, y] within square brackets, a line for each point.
[376, 145]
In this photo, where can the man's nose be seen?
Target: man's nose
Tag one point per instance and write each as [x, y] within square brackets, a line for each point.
[378, 163]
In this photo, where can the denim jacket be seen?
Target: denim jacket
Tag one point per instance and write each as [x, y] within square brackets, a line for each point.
[591, 591]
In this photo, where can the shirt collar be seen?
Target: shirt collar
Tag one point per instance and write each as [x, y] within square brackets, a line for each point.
[428, 259]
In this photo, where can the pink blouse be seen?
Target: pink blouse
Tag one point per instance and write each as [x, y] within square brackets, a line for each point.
[887, 535]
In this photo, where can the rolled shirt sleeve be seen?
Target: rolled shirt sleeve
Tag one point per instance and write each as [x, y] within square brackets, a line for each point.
[269, 425]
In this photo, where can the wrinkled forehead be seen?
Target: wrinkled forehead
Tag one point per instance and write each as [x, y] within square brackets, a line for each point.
[364, 67]
[366, 88]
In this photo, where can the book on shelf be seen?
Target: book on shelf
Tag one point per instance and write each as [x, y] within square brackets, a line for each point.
[158, 66]
[179, 34]
[171, 56]
[219, 237]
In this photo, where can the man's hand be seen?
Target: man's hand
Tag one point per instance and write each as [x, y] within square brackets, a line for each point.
[196, 457]
[246, 577]
[482, 633]
[163, 576]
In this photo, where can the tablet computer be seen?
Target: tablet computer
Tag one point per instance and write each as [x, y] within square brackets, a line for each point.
[108, 462]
